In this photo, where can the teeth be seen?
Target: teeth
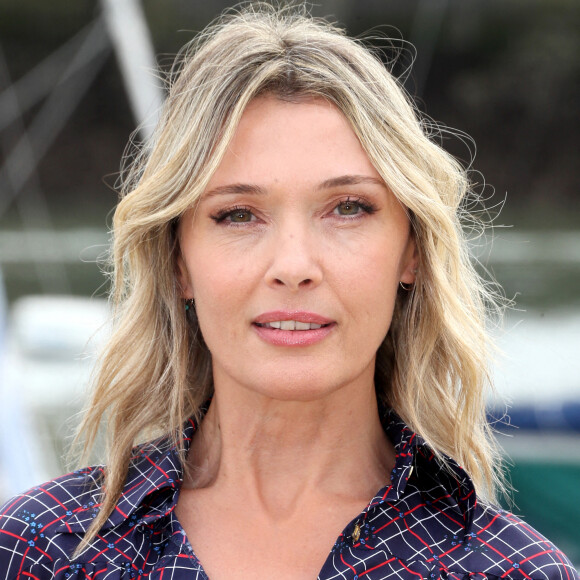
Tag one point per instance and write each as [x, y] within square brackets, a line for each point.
[293, 325]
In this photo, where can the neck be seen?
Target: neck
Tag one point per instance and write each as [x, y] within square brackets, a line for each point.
[264, 446]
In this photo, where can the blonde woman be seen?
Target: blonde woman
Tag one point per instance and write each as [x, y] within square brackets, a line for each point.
[299, 332]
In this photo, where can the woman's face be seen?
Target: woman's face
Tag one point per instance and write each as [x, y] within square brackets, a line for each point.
[294, 254]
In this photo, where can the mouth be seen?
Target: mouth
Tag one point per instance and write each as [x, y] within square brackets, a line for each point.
[295, 328]
[291, 325]
[292, 320]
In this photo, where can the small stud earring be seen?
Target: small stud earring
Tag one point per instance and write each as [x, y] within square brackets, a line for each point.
[189, 303]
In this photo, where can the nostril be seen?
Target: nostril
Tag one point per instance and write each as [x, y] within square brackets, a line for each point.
[305, 282]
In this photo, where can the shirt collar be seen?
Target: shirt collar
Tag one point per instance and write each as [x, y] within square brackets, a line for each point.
[156, 473]
[153, 481]
[405, 442]
[414, 458]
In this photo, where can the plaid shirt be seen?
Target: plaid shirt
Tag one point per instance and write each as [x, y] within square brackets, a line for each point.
[425, 523]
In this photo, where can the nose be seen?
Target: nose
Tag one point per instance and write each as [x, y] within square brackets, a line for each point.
[295, 260]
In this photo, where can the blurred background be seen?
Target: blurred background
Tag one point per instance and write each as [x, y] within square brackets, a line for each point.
[76, 79]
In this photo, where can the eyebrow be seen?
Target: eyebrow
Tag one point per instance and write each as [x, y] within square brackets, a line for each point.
[341, 181]
[350, 180]
[235, 188]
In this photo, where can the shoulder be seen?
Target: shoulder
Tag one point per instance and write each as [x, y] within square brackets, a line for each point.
[435, 520]
[509, 547]
[34, 526]
[41, 528]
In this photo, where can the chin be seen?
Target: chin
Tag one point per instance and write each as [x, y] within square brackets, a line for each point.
[302, 386]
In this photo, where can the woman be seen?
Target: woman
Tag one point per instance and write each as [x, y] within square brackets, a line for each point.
[299, 323]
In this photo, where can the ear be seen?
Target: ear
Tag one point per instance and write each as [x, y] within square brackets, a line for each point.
[409, 261]
[183, 278]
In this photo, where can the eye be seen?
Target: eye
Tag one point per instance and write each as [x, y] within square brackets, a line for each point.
[237, 215]
[240, 216]
[347, 208]
[352, 208]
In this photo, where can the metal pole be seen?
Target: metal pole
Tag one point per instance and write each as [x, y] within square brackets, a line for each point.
[47, 124]
[43, 78]
[132, 43]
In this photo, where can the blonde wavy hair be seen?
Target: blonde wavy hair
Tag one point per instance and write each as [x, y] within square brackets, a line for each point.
[156, 370]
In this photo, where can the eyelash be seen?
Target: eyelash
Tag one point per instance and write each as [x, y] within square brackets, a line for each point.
[222, 216]
[364, 205]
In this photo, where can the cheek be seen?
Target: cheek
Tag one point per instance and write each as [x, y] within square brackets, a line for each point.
[222, 288]
[371, 282]
[215, 270]
[373, 269]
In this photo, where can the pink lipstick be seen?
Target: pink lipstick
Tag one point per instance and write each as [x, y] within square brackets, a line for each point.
[292, 328]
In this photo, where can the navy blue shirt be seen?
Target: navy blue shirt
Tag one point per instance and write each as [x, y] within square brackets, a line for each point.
[424, 523]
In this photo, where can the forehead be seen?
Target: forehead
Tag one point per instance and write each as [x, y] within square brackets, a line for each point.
[292, 141]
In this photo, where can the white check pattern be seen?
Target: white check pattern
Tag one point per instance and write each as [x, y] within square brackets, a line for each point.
[425, 523]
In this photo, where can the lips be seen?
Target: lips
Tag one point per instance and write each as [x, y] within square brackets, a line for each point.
[297, 328]
[294, 316]
[291, 325]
